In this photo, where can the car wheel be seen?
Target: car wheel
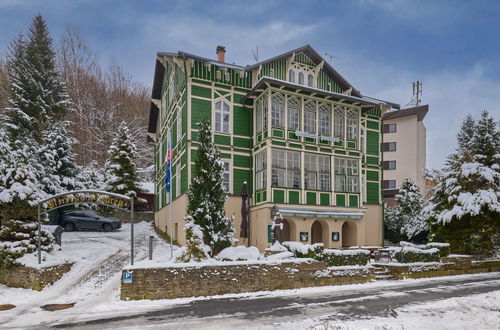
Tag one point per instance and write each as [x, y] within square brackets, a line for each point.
[107, 227]
[69, 227]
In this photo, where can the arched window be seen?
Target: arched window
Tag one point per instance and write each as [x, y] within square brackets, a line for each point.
[310, 80]
[301, 78]
[291, 75]
[310, 116]
[293, 106]
[338, 130]
[325, 115]
[221, 116]
[352, 124]
[278, 110]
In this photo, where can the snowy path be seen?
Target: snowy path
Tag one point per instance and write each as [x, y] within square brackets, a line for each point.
[95, 277]
[362, 306]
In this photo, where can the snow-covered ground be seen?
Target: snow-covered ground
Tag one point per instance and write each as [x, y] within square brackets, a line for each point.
[479, 312]
[93, 280]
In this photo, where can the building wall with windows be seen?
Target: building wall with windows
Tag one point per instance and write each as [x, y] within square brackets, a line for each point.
[303, 139]
[404, 149]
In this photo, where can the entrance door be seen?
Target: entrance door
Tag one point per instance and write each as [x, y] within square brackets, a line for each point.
[349, 234]
[316, 232]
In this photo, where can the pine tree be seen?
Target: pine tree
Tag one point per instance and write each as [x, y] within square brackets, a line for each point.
[39, 96]
[464, 207]
[406, 221]
[57, 155]
[195, 249]
[206, 194]
[20, 190]
[121, 171]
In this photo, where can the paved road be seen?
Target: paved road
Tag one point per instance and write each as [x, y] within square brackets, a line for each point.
[339, 305]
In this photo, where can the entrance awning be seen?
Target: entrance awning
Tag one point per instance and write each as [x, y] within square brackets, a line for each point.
[308, 213]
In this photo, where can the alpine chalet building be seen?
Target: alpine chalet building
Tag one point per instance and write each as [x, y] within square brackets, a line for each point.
[303, 138]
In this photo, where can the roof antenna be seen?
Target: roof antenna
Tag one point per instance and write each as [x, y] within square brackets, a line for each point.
[256, 54]
[331, 57]
[417, 94]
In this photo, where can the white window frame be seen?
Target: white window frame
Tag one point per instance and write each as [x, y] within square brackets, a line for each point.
[293, 105]
[324, 169]
[261, 170]
[310, 171]
[278, 168]
[224, 127]
[179, 123]
[339, 123]
[310, 115]
[258, 115]
[325, 119]
[226, 172]
[293, 169]
[291, 75]
[352, 124]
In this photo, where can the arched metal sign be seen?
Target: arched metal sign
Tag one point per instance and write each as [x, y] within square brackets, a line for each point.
[91, 197]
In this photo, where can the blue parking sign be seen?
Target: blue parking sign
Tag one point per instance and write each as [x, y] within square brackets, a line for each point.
[127, 277]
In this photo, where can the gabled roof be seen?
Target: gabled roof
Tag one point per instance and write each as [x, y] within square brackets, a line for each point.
[316, 58]
[419, 111]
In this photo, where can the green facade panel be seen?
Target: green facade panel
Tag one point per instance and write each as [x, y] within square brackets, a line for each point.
[293, 197]
[353, 200]
[241, 176]
[372, 124]
[351, 144]
[372, 143]
[279, 133]
[242, 142]
[311, 198]
[242, 121]
[278, 196]
[242, 161]
[372, 176]
[372, 160]
[201, 91]
[372, 192]
[200, 109]
[324, 199]
[340, 200]
[222, 139]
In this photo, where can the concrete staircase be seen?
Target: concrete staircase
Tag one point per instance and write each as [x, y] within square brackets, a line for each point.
[381, 273]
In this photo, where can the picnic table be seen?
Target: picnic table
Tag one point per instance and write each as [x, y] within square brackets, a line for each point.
[383, 254]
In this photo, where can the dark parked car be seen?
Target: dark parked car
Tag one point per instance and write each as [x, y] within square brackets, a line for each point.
[83, 219]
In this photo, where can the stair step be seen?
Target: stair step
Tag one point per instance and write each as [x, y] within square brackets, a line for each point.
[384, 277]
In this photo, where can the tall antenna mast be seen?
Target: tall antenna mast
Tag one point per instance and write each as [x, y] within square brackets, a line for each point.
[417, 92]
[331, 57]
[256, 54]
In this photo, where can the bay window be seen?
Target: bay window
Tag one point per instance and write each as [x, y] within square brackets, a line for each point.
[260, 170]
[346, 175]
[293, 169]
[278, 168]
[340, 177]
[258, 119]
[310, 171]
[352, 124]
[338, 130]
[324, 172]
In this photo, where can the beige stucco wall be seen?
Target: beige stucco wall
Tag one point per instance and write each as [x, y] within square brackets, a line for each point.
[365, 231]
[410, 154]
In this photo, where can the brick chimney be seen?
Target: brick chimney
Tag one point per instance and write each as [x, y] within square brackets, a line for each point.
[220, 51]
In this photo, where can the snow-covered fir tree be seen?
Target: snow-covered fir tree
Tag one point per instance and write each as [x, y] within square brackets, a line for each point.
[407, 218]
[195, 249]
[38, 95]
[92, 176]
[121, 169]
[464, 207]
[206, 194]
[57, 155]
[20, 190]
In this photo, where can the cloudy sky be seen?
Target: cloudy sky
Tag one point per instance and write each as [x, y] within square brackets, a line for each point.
[380, 46]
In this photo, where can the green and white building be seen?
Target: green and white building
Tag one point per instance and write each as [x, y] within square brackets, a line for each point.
[302, 137]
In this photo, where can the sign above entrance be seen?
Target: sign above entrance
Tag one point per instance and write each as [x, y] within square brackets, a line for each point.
[95, 198]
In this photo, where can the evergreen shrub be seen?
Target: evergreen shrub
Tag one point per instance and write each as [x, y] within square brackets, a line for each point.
[412, 254]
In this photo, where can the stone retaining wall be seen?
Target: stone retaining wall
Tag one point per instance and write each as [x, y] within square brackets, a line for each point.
[178, 282]
[400, 272]
[32, 278]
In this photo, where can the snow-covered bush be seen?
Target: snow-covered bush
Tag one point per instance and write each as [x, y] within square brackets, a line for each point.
[444, 248]
[335, 257]
[239, 253]
[301, 250]
[412, 254]
[194, 250]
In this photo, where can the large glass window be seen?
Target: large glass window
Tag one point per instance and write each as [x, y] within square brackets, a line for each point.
[221, 113]
[352, 124]
[325, 116]
[278, 168]
[346, 175]
[265, 111]
[301, 78]
[338, 130]
[310, 171]
[310, 116]
[260, 170]
[258, 119]
[324, 172]
[293, 169]
[278, 110]
[293, 105]
[291, 75]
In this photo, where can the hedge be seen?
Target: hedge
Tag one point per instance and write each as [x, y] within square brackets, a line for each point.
[411, 254]
[444, 248]
[332, 257]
